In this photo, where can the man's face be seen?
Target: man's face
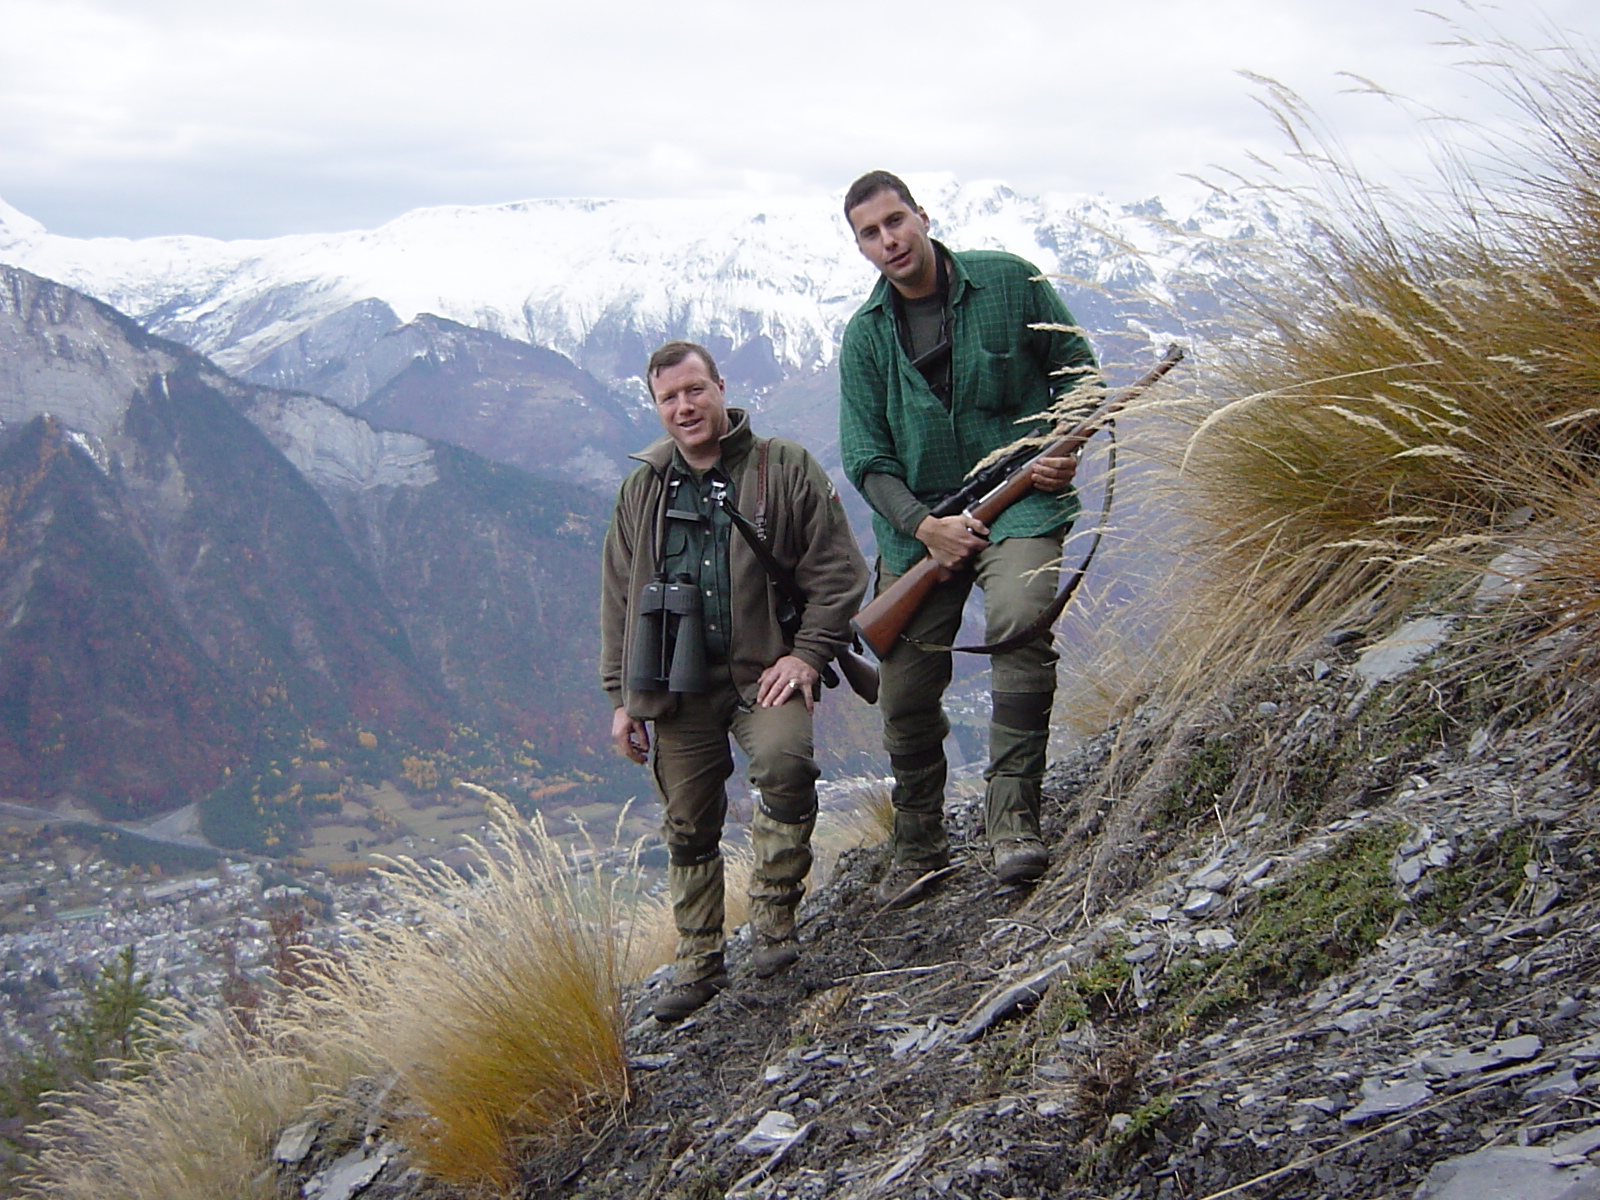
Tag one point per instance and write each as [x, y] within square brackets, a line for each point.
[894, 238]
[692, 408]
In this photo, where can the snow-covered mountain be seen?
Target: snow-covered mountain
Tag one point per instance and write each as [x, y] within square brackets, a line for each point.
[769, 282]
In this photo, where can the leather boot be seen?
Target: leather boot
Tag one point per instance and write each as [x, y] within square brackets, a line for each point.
[777, 882]
[697, 911]
[919, 838]
[911, 879]
[1011, 802]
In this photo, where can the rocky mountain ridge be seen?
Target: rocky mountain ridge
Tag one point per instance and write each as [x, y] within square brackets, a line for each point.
[1371, 974]
[208, 582]
[504, 399]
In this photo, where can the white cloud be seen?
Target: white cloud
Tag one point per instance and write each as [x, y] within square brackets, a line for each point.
[136, 116]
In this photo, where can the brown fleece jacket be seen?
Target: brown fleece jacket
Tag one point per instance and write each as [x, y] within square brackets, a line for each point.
[806, 528]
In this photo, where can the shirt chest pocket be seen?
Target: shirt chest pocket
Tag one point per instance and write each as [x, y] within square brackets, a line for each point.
[1002, 381]
[680, 540]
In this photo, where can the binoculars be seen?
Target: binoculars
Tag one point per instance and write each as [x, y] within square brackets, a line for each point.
[669, 639]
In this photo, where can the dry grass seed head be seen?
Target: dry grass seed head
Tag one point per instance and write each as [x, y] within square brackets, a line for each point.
[1405, 379]
[1288, 487]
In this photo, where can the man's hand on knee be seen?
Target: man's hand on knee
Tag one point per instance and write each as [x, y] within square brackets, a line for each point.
[783, 680]
[629, 735]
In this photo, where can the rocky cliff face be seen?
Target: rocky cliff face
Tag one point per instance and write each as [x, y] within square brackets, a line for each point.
[199, 575]
[501, 398]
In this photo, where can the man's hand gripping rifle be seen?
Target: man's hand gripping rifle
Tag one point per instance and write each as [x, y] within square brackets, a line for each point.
[984, 497]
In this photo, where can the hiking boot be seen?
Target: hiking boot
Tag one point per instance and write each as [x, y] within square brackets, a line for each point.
[1020, 860]
[681, 999]
[777, 881]
[772, 957]
[697, 912]
[903, 887]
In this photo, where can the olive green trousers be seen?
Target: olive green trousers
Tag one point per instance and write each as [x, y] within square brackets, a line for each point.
[1018, 577]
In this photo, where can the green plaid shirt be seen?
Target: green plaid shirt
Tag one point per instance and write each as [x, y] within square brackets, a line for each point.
[891, 423]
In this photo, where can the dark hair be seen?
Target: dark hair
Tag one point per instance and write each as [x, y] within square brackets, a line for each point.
[869, 185]
[673, 353]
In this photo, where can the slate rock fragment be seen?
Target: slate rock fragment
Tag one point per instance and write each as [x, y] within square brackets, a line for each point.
[1503, 1171]
[1386, 1102]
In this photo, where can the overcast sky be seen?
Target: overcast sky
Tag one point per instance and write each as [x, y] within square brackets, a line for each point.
[137, 117]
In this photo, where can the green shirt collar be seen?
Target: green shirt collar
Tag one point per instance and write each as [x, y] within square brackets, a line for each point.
[960, 281]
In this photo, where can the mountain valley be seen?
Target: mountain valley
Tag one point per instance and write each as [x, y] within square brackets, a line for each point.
[224, 592]
[369, 553]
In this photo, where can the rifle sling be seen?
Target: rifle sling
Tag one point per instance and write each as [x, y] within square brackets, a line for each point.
[1041, 627]
[780, 575]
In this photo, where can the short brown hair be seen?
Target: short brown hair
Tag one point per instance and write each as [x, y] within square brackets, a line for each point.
[869, 185]
[673, 353]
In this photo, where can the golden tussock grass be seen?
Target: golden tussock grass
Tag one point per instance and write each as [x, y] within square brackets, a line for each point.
[200, 1125]
[492, 1009]
[1398, 391]
[497, 1009]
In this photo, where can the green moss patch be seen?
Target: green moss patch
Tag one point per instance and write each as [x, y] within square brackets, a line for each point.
[1070, 1000]
[1202, 779]
[1493, 867]
[1076, 997]
[1143, 1120]
[1319, 920]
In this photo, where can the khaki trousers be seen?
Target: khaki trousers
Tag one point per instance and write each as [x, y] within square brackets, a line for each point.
[692, 762]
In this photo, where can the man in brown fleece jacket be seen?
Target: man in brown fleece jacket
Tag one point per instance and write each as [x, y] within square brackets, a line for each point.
[672, 528]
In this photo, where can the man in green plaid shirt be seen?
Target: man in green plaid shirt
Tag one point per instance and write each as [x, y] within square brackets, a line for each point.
[941, 366]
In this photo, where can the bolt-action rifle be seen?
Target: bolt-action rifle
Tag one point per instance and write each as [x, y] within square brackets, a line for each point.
[984, 497]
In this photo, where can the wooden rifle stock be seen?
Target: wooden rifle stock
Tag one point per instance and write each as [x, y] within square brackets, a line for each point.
[881, 622]
[859, 673]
